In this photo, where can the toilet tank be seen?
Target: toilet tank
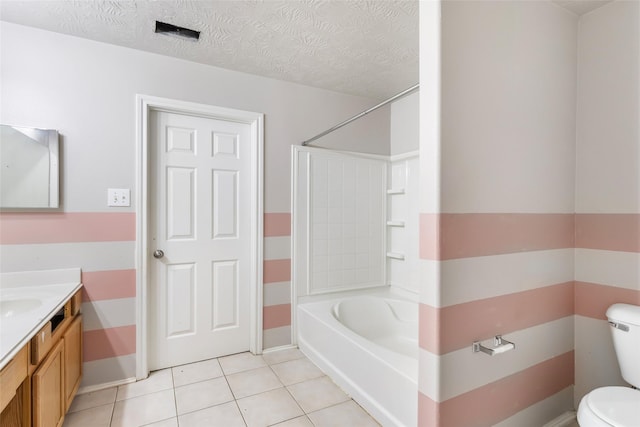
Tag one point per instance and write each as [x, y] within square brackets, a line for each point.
[625, 322]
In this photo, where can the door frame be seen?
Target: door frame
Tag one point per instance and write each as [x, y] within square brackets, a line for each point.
[145, 104]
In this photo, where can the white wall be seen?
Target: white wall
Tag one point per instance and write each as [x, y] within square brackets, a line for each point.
[607, 183]
[86, 90]
[508, 116]
[508, 107]
[608, 122]
[505, 157]
[405, 124]
[540, 114]
[429, 374]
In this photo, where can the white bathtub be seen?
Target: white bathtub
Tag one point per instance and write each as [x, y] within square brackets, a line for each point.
[369, 346]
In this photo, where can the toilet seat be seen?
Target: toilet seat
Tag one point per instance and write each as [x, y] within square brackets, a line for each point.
[611, 406]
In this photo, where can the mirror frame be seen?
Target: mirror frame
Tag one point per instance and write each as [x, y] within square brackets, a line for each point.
[50, 139]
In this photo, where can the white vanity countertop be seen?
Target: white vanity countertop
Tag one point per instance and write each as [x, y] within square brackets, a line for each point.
[27, 301]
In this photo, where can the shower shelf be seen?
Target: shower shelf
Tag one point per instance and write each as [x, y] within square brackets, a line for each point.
[395, 191]
[395, 223]
[395, 255]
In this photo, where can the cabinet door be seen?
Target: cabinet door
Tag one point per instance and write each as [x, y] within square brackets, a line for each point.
[48, 390]
[72, 360]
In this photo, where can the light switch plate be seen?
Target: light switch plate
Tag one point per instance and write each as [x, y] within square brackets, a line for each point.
[118, 197]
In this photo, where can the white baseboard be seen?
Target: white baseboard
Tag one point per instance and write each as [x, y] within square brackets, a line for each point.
[279, 348]
[563, 420]
[103, 386]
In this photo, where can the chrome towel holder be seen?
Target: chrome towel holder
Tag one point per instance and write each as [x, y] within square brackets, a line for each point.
[501, 346]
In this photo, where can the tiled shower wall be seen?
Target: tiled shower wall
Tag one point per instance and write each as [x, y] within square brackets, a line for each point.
[339, 221]
[346, 222]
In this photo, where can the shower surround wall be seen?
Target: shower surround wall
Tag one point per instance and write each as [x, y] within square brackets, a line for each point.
[402, 223]
[338, 222]
[87, 91]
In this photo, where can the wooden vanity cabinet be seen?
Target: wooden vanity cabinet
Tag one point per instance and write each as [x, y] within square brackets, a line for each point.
[50, 367]
[57, 349]
[72, 360]
[48, 389]
[15, 391]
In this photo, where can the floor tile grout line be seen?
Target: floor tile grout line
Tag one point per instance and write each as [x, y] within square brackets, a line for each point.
[113, 409]
[175, 399]
[234, 397]
[297, 403]
[286, 387]
[241, 415]
[159, 421]
[199, 381]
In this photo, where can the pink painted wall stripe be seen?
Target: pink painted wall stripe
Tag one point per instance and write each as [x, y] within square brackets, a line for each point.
[60, 227]
[461, 324]
[111, 284]
[429, 331]
[427, 411]
[111, 342]
[277, 224]
[613, 232]
[276, 270]
[429, 236]
[593, 300]
[494, 402]
[275, 316]
[480, 234]
[451, 236]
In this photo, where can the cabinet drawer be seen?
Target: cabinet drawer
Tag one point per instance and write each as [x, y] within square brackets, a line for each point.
[12, 376]
[41, 343]
[50, 333]
[76, 303]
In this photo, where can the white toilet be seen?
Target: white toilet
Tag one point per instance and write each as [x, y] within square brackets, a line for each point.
[618, 406]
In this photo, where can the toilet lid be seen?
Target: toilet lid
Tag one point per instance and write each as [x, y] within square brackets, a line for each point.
[618, 406]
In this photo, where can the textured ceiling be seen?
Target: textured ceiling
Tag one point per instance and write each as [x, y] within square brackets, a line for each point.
[361, 47]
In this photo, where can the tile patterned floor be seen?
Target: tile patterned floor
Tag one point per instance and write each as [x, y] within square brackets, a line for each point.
[281, 389]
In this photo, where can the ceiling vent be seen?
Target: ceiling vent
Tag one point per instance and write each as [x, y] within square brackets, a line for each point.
[174, 30]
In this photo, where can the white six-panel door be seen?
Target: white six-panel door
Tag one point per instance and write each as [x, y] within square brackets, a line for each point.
[200, 194]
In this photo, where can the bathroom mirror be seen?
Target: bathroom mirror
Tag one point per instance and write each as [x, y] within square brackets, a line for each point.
[28, 167]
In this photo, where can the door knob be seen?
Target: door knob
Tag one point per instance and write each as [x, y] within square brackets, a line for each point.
[158, 254]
